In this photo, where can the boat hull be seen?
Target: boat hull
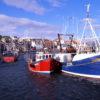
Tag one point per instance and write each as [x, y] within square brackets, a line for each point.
[85, 58]
[9, 59]
[87, 66]
[90, 70]
[45, 66]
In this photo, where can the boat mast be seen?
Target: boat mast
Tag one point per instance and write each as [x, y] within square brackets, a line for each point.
[59, 42]
[88, 22]
[70, 37]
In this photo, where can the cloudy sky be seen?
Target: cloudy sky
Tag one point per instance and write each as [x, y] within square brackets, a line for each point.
[45, 18]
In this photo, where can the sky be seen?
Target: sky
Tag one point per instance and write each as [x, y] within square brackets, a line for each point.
[46, 18]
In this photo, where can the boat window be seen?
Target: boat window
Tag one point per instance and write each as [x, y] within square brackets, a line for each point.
[39, 57]
[8, 54]
[34, 59]
[43, 56]
[46, 56]
[50, 56]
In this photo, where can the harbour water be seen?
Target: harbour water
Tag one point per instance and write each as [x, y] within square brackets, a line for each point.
[17, 83]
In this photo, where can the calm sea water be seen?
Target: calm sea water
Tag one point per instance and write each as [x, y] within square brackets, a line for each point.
[17, 83]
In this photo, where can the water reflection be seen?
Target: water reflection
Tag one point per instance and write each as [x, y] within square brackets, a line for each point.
[18, 83]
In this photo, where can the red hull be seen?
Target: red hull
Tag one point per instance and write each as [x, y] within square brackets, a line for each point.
[45, 66]
[9, 59]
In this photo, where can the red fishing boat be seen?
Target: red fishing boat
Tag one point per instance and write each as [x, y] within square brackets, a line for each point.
[44, 63]
[9, 57]
[45, 60]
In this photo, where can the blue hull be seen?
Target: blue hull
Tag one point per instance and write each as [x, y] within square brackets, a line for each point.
[92, 68]
[88, 67]
[86, 61]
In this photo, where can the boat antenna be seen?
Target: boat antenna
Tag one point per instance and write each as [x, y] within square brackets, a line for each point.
[88, 10]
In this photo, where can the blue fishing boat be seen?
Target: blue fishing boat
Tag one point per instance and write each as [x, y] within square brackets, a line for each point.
[87, 57]
[89, 48]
